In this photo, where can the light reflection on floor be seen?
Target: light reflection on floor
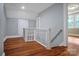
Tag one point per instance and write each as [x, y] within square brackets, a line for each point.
[73, 46]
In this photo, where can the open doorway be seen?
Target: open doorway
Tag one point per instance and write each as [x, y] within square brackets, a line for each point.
[73, 28]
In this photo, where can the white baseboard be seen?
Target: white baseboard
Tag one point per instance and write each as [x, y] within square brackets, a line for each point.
[43, 45]
[63, 44]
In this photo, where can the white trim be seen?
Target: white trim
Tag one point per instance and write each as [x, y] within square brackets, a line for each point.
[11, 37]
[62, 44]
[74, 12]
[74, 35]
[65, 13]
[43, 45]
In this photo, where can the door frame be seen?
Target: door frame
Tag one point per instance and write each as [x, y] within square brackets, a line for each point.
[65, 15]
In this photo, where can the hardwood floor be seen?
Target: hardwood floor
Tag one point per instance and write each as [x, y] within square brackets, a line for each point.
[17, 47]
[73, 46]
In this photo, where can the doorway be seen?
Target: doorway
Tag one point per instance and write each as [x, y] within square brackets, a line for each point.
[73, 28]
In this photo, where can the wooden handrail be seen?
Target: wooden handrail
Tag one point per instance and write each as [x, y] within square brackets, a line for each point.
[56, 35]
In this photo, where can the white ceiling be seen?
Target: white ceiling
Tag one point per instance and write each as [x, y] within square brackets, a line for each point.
[31, 9]
[73, 8]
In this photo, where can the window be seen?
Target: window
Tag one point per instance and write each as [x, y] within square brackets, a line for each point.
[77, 21]
[70, 22]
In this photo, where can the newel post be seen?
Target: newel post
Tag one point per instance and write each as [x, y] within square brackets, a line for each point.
[49, 38]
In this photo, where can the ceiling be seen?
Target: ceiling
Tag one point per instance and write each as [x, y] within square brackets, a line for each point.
[73, 8]
[31, 9]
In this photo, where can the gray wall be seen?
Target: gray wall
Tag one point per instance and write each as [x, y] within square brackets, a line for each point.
[32, 23]
[12, 27]
[2, 27]
[22, 23]
[53, 18]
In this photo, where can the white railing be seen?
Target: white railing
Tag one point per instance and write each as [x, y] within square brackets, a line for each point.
[28, 34]
[40, 35]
